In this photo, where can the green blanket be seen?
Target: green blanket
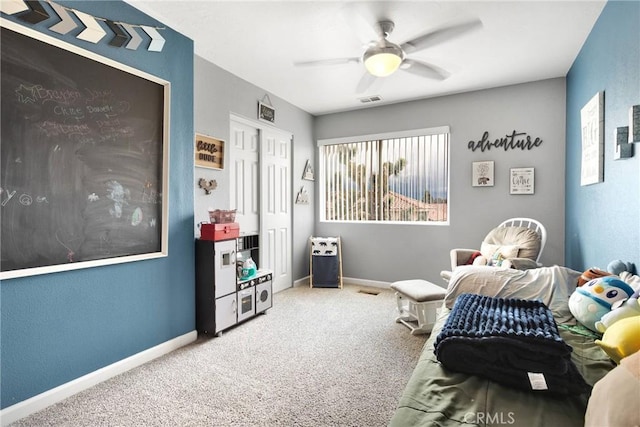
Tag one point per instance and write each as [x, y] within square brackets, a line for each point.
[435, 396]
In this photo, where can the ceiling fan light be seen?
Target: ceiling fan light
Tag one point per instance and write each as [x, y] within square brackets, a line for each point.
[382, 64]
[384, 60]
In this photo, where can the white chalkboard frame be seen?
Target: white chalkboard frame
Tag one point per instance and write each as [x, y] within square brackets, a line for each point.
[164, 240]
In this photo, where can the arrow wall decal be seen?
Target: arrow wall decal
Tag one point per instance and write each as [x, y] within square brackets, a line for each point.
[135, 37]
[66, 23]
[121, 36]
[36, 12]
[11, 7]
[93, 31]
[124, 34]
[157, 42]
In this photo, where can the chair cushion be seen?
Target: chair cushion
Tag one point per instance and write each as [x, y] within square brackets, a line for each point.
[526, 239]
[419, 290]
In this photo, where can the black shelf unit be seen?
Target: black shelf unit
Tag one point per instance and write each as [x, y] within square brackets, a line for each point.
[248, 247]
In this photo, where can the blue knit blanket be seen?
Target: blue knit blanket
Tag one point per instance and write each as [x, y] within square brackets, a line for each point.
[511, 341]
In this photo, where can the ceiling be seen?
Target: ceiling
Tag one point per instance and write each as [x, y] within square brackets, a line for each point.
[259, 41]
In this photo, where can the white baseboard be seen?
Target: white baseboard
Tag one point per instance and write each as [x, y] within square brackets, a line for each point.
[349, 281]
[37, 403]
[301, 282]
[366, 282]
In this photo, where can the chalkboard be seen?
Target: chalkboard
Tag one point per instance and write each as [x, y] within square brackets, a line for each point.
[84, 158]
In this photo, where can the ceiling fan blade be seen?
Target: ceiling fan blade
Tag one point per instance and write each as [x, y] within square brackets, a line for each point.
[330, 61]
[424, 69]
[365, 82]
[361, 20]
[440, 35]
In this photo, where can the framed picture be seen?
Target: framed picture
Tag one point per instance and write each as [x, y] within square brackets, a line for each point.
[85, 153]
[592, 123]
[308, 171]
[266, 113]
[209, 152]
[482, 174]
[522, 181]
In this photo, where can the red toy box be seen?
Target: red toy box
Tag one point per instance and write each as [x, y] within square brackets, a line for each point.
[217, 232]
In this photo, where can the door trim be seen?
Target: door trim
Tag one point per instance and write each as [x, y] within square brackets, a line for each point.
[262, 127]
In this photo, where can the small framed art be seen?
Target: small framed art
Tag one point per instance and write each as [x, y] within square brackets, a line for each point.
[266, 113]
[522, 181]
[592, 124]
[482, 174]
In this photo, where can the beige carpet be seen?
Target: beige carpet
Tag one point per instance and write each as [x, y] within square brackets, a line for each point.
[319, 357]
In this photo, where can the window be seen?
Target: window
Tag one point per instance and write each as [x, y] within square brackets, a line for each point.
[399, 177]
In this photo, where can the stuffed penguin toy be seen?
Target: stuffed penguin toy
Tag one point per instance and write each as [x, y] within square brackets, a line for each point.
[594, 299]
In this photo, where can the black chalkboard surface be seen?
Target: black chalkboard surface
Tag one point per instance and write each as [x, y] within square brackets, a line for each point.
[81, 158]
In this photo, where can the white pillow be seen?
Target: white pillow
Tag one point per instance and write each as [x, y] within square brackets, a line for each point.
[488, 250]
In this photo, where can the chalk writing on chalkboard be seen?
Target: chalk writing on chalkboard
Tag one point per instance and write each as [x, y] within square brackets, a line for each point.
[83, 158]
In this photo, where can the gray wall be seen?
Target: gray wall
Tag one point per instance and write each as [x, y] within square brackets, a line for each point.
[218, 94]
[393, 252]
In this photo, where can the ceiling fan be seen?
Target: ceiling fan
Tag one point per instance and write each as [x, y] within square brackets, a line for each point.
[383, 57]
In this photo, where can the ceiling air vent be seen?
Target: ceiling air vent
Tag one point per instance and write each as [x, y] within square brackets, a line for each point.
[368, 99]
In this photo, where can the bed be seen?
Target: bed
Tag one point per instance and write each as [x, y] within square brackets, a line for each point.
[436, 396]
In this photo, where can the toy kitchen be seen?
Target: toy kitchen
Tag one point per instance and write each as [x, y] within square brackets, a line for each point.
[230, 286]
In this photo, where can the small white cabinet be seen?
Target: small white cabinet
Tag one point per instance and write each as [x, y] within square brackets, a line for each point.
[225, 309]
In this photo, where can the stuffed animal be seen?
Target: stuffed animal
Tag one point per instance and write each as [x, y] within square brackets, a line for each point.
[590, 274]
[479, 260]
[631, 279]
[621, 339]
[498, 260]
[626, 308]
[588, 303]
[617, 266]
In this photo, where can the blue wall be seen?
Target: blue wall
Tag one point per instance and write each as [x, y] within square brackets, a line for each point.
[60, 326]
[603, 220]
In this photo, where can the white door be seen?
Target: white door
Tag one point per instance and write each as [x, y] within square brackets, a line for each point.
[244, 176]
[275, 206]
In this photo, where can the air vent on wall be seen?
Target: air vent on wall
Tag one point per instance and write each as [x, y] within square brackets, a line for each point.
[374, 98]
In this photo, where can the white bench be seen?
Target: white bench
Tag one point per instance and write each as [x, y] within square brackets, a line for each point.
[418, 303]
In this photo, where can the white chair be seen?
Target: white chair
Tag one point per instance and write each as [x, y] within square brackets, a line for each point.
[520, 241]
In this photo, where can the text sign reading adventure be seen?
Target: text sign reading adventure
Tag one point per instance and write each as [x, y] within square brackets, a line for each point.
[511, 141]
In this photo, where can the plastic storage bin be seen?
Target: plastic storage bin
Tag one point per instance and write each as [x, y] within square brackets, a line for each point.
[220, 216]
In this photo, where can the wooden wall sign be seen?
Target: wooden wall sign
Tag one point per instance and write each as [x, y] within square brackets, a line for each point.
[209, 152]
